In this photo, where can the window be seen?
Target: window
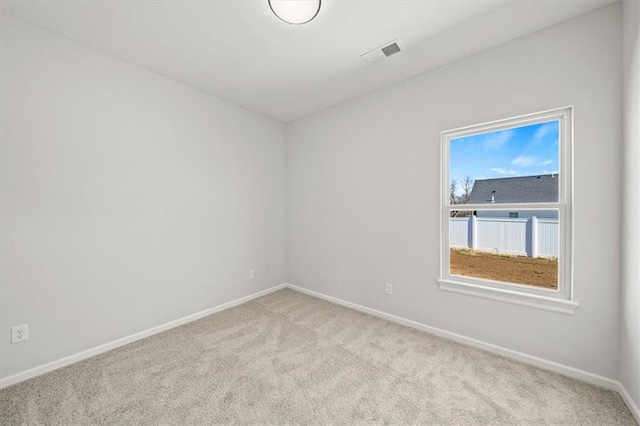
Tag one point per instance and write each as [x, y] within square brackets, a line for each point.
[506, 211]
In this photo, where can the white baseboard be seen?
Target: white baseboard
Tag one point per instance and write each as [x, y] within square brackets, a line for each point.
[489, 347]
[633, 407]
[54, 365]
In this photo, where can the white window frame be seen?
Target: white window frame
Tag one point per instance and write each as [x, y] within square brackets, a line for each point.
[559, 300]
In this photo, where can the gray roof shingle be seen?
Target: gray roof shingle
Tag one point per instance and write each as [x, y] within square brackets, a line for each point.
[525, 189]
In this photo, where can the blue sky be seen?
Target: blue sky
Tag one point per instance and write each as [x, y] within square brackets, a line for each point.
[520, 151]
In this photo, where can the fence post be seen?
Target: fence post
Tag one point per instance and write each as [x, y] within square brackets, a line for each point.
[473, 232]
[534, 236]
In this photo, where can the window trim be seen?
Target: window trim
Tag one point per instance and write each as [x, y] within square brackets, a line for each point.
[559, 300]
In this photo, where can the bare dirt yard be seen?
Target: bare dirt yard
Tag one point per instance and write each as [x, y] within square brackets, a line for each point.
[540, 272]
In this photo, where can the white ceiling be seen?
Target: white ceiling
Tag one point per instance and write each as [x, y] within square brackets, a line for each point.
[238, 50]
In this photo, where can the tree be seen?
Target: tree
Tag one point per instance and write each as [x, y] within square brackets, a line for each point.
[466, 186]
[453, 188]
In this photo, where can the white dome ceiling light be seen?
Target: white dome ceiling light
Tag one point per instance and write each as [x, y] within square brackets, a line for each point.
[295, 12]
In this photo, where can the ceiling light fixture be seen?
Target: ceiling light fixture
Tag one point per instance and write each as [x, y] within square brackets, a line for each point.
[295, 12]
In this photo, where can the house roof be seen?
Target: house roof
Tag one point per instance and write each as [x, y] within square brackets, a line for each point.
[525, 189]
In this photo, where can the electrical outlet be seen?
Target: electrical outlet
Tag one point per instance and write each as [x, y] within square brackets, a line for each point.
[19, 333]
[388, 288]
[252, 274]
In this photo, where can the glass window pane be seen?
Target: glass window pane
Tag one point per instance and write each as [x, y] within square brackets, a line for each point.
[491, 244]
[516, 165]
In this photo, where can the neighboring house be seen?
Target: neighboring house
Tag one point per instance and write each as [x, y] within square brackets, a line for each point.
[524, 189]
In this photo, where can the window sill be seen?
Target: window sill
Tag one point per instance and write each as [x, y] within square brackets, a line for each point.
[545, 303]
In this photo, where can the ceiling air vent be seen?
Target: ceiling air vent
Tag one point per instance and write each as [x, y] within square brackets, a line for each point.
[381, 52]
[391, 49]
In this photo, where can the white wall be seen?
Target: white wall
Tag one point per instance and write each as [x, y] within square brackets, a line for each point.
[363, 190]
[522, 214]
[630, 324]
[128, 200]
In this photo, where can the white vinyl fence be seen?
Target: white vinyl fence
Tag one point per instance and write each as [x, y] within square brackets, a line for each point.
[531, 237]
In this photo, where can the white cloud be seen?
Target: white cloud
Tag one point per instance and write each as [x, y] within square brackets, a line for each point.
[524, 161]
[503, 171]
[545, 163]
[544, 130]
[496, 140]
[547, 172]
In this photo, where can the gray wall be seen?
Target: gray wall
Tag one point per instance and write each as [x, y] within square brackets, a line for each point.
[522, 214]
[363, 182]
[128, 200]
[630, 315]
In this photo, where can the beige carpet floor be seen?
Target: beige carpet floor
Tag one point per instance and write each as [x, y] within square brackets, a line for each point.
[288, 358]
